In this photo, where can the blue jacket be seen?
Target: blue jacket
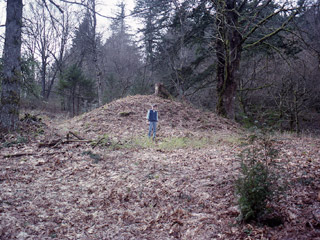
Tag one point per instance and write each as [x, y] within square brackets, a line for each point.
[152, 116]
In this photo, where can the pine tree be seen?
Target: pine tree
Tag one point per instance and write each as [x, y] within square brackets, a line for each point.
[155, 15]
[75, 89]
[122, 61]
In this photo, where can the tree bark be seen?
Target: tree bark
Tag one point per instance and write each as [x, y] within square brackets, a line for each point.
[228, 52]
[95, 54]
[43, 73]
[10, 93]
[230, 44]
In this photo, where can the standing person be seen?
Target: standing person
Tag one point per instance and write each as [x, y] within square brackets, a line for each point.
[152, 117]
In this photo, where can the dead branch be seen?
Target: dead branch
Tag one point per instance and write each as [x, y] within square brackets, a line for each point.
[60, 140]
[78, 141]
[96, 144]
[18, 155]
[75, 135]
[52, 143]
[31, 154]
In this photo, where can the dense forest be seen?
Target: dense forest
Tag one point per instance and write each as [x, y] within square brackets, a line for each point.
[253, 61]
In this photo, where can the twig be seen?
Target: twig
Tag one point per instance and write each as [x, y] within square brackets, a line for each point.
[80, 141]
[59, 141]
[18, 155]
[52, 153]
[9, 179]
[30, 154]
[96, 144]
[53, 143]
[72, 133]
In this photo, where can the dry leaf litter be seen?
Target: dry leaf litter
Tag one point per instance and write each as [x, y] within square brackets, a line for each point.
[117, 187]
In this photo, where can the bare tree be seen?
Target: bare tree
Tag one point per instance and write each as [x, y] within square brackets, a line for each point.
[46, 35]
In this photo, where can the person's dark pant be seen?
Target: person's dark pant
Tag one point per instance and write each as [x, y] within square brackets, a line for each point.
[152, 127]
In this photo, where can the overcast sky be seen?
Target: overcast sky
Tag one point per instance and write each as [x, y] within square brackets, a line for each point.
[109, 8]
[104, 7]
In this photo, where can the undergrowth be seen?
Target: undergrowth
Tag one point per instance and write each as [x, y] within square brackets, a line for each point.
[171, 143]
[163, 143]
[258, 182]
[16, 141]
[183, 142]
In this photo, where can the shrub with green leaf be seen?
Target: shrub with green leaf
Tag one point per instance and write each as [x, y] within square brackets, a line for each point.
[257, 182]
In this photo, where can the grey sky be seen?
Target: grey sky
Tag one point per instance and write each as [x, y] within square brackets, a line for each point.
[104, 7]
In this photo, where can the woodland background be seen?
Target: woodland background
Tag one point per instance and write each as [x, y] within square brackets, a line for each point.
[254, 61]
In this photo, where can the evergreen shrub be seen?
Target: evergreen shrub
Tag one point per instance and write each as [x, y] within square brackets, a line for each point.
[257, 183]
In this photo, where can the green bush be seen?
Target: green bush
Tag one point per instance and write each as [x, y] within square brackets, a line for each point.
[257, 182]
[253, 189]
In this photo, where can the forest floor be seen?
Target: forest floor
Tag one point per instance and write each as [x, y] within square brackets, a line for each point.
[97, 176]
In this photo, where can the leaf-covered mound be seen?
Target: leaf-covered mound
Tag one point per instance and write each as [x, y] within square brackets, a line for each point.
[127, 117]
[81, 185]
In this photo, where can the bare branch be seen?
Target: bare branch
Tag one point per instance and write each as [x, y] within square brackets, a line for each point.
[86, 6]
[282, 28]
[53, 19]
[259, 24]
[257, 13]
[56, 5]
[254, 89]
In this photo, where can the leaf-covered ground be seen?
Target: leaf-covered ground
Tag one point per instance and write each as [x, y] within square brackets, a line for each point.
[108, 181]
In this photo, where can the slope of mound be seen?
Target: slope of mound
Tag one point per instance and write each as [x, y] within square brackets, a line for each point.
[80, 190]
[127, 117]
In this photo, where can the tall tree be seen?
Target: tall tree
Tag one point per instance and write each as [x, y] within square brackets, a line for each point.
[121, 58]
[175, 56]
[11, 74]
[82, 43]
[92, 7]
[238, 26]
[86, 46]
[185, 54]
[155, 15]
[228, 51]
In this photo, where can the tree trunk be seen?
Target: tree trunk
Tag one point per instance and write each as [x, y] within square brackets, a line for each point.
[99, 83]
[73, 103]
[228, 51]
[43, 75]
[10, 93]
[95, 54]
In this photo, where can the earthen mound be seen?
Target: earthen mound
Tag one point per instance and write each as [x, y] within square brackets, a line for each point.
[126, 117]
